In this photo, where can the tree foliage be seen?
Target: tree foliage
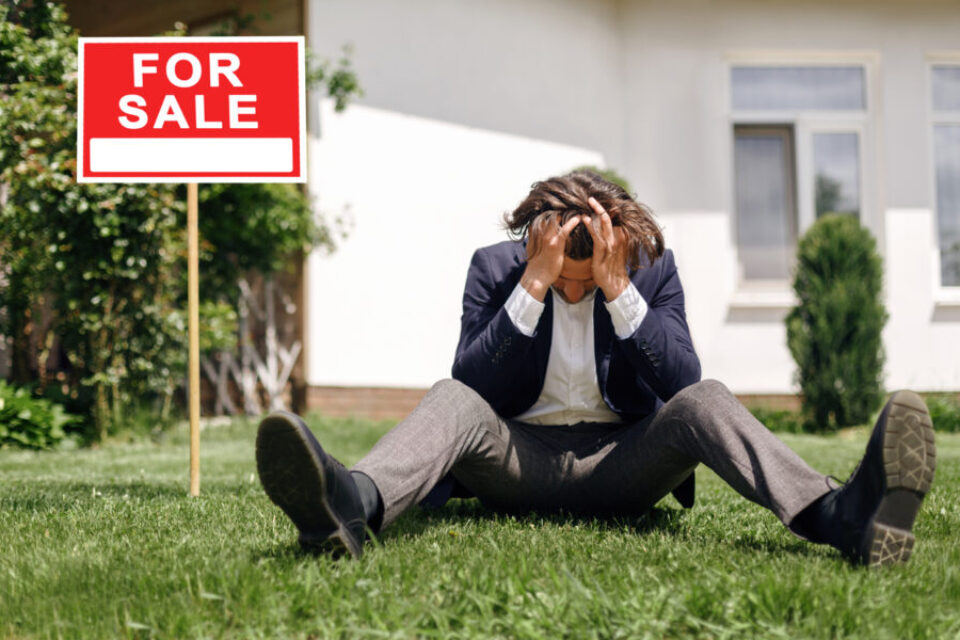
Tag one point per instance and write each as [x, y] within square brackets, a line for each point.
[104, 263]
[252, 227]
[834, 333]
[98, 255]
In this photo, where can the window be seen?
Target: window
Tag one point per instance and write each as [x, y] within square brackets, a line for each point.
[945, 81]
[766, 228]
[779, 88]
[836, 163]
[798, 139]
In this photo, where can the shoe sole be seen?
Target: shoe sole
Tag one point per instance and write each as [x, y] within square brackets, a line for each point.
[292, 475]
[909, 458]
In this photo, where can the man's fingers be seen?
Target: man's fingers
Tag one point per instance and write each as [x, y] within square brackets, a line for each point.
[596, 206]
[569, 226]
[606, 227]
[591, 225]
[604, 222]
[600, 247]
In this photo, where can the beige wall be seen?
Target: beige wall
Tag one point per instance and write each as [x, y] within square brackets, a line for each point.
[678, 136]
[465, 105]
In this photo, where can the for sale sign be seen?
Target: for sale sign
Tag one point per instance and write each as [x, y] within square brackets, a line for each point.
[191, 110]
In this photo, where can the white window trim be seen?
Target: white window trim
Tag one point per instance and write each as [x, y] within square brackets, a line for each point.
[778, 294]
[943, 296]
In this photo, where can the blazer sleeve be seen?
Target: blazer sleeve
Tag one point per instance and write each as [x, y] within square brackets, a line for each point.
[491, 348]
[661, 349]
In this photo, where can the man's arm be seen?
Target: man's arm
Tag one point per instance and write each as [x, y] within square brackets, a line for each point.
[660, 348]
[656, 340]
[490, 344]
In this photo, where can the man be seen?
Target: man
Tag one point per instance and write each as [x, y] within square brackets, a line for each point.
[576, 387]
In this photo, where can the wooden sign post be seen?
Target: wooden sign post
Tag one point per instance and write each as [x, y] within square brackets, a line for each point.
[193, 313]
[191, 110]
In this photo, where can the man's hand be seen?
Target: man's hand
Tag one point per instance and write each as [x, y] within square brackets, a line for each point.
[609, 252]
[545, 257]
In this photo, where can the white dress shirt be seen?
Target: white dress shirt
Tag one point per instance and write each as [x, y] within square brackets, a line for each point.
[571, 393]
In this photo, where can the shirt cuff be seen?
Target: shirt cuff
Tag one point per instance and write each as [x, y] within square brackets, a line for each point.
[524, 310]
[627, 311]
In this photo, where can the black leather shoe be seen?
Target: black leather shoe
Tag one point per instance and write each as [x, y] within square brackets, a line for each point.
[312, 488]
[870, 518]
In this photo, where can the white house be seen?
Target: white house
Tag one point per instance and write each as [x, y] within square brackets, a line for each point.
[724, 116]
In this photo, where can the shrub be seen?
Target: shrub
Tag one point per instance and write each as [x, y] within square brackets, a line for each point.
[28, 422]
[834, 333]
[98, 257]
[610, 175]
[945, 413]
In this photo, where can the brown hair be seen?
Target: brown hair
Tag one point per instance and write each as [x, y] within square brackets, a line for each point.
[556, 200]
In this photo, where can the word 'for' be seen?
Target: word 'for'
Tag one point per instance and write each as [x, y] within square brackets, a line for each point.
[221, 66]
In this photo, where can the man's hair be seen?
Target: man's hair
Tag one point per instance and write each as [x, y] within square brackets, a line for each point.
[556, 200]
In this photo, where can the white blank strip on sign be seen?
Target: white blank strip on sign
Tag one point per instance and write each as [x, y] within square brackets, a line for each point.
[176, 155]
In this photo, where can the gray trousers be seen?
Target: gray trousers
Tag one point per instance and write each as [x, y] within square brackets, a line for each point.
[587, 468]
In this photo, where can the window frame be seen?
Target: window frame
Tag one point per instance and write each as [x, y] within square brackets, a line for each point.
[786, 132]
[944, 295]
[772, 293]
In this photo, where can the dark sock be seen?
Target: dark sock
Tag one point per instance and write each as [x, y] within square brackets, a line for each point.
[370, 497]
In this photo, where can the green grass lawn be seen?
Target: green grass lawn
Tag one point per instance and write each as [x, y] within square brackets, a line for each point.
[105, 543]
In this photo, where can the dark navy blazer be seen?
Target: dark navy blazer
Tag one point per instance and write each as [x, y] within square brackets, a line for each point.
[636, 375]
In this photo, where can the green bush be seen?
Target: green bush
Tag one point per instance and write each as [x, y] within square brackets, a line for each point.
[610, 175]
[945, 413]
[95, 273]
[779, 420]
[28, 422]
[834, 333]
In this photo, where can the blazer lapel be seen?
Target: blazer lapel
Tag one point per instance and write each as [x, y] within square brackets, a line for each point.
[541, 343]
[602, 344]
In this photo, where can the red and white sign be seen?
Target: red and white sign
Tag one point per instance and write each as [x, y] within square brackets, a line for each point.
[191, 110]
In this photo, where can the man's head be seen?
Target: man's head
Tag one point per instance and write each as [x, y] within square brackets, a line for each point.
[556, 200]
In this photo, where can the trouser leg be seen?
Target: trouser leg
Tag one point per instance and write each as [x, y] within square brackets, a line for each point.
[508, 465]
[452, 425]
[706, 424]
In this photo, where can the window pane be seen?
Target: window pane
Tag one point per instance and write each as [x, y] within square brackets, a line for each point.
[946, 88]
[841, 88]
[836, 162]
[764, 198]
[946, 144]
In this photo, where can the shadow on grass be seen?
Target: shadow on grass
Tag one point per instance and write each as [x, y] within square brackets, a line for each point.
[289, 551]
[658, 520]
[663, 521]
[780, 546]
[417, 521]
[64, 495]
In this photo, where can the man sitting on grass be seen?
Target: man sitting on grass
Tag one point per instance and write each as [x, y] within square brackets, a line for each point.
[576, 388]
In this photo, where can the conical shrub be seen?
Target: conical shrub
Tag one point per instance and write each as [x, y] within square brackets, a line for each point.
[834, 333]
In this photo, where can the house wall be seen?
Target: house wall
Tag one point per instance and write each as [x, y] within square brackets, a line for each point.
[678, 133]
[467, 103]
[465, 106]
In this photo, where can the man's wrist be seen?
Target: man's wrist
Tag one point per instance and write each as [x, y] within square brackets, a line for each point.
[612, 291]
[535, 286]
[524, 311]
[627, 312]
